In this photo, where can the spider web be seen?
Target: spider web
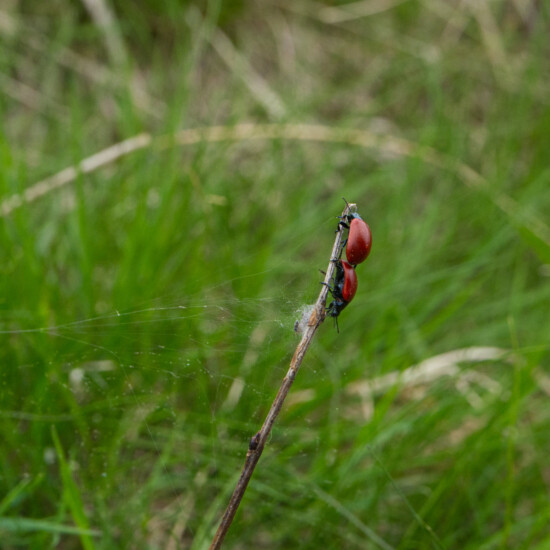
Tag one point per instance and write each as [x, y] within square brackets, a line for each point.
[137, 373]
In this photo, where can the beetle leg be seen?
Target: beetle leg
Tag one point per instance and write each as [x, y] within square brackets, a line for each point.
[342, 246]
[329, 287]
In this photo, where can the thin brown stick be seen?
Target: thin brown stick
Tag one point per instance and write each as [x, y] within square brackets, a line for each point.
[257, 442]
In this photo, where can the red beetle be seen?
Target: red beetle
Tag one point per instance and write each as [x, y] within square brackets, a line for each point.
[343, 289]
[359, 241]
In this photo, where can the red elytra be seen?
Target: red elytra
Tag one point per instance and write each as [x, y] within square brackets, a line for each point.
[359, 241]
[349, 287]
[343, 288]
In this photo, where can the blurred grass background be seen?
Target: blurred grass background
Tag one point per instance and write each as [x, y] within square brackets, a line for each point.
[148, 303]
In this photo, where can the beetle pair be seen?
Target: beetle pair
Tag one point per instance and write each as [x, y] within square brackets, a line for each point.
[358, 246]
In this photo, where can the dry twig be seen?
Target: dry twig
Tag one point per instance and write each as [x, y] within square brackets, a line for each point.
[257, 442]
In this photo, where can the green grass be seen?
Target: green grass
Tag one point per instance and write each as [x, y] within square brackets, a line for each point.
[147, 307]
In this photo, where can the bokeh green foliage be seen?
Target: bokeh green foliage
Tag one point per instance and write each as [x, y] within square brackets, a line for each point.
[147, 307]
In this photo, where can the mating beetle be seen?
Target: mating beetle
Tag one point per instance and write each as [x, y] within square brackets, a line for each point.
[359, 241]
[343, 289]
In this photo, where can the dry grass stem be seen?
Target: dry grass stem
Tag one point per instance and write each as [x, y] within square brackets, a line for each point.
[430, 370]
[357, 10]
[239, 64]
[383, 143]
[68, 175]
[90, 69]
[104, 18]
[257, 442]
[31, 98]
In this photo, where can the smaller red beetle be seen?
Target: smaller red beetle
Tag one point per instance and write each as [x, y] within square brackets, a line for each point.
[343, 289]
[359, 241]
